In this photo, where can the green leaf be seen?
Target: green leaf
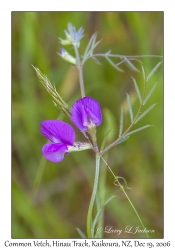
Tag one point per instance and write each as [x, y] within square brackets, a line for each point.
[110, 198]
[150, 93]
[121, 122]
[130, 107]
[145, 112]
[104, 140]
[108, 52]
[96, 220]
[93, 37]
[93, 47]
[90, 47]
[122, 140]
[137, 130]
[97, 61]
[92, 41]
[131, 64]
[81, 233]
[113, 64]
[153, 70]
[143, 71]
[137, 89]
[99, 213]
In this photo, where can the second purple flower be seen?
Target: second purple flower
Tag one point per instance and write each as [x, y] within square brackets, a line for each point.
[86, 112]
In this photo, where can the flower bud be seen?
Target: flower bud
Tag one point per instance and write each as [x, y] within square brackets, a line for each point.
[66, 56]
[64, 41]
[73, 36]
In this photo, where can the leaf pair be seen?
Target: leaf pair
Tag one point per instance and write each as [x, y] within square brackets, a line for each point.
[90, 48]
[142, 102]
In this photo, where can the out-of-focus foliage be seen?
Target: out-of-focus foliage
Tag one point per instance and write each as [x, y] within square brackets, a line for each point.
[50, 200]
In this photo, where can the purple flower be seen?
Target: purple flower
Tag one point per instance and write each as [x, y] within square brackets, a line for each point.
[62, 137]
[86, 113]
[73, 36]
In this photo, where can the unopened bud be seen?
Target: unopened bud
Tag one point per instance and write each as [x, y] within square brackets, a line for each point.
[65, 41]
[66, 56]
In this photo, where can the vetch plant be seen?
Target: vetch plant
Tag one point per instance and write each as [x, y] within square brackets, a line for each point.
[86, 115]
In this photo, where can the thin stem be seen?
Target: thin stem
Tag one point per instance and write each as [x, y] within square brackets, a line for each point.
[119, 56]
[80, 71]
[132, 207]
[122, 188]
[102, 190]
[91, 205]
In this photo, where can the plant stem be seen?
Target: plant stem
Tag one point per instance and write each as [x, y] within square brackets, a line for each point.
[120, 56]
[102, 190]
[80, 71]
[133, 207]
[122, 188]
[91, 205]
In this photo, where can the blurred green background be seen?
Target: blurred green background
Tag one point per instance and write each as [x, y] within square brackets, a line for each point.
[50, 200]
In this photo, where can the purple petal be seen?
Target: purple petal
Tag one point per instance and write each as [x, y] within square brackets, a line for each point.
[62, 51]
[86, 111]
[78, 115]
[58, 131]
[54, 151]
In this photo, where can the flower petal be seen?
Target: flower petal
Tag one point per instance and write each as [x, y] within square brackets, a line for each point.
[85, 110]
[54, 151]
[57, 131]
[78, 115]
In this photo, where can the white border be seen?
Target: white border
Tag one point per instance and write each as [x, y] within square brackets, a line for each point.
[5, 94]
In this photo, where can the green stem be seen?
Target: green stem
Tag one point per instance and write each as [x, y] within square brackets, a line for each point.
[80, 71]
[133, 207]
[120, 56]
[102, 190]
[91, 205]
[122, 188]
